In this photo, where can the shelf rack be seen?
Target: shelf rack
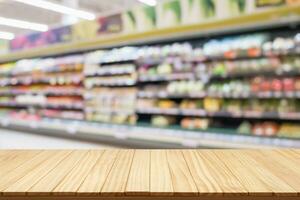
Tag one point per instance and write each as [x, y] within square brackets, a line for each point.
[266, 18]
[151, 136]
[145, 136]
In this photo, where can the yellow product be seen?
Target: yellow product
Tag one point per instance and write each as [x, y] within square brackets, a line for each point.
[166, 104]
[162, 121]
[212, 105]
[289, 130]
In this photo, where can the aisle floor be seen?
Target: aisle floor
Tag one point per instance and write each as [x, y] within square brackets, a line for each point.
[10, 139]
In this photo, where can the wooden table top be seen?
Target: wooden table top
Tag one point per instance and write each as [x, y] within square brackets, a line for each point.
[150, 174]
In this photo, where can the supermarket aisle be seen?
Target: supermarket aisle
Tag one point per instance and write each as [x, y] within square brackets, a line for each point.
[19, 140]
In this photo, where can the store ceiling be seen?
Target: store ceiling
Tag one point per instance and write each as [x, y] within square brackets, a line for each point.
[16, 10]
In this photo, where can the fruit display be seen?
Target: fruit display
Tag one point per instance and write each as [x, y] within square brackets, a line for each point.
[111, 105]
[162, 121]
[253, 77]
[273, 64]
[47, 87]
[269, 129]
[195, 123]
[247, 84]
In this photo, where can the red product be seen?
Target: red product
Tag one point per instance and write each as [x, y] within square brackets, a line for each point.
[276, 85]
[230, 54]
[254, 52]
[258, 130]
[270, 128]
[265, 85]
[255, 84]
[288, 84]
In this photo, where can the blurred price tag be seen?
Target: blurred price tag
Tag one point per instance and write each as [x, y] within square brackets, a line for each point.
[72, 129]
[33, 125]
[5, 122]
[190, 143]
[120, 135]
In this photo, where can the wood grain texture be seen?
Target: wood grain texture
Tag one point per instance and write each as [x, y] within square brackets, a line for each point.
[47, 184]
[16, 160]
[275, 184]
[94, 182]
[227, 181]
[138, 182]
[12, 176]
[150, 174]
[203, 176]
[182, 180]
[282, 170]
[21, 186]
[116, 181]
[160, 176]
[71, 183]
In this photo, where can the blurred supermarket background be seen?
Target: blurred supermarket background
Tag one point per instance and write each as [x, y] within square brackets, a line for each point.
[149, 73]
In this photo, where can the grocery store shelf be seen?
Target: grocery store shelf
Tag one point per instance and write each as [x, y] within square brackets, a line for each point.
[224, 114]
[167, 77]
[143, 136]
[259, 95]
[248, 74]
[271, 17]
[54, 106]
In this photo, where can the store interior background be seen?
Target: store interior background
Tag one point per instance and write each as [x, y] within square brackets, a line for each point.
[105, 74]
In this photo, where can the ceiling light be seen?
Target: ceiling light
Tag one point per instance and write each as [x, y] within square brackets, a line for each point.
[6, 35]
[59, 8]
[149, 2]
[23, 24]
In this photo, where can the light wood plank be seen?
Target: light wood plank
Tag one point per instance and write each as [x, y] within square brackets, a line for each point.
[21, 186]
[183, 183]
[278, 167]
[15, 161]
[160, 176]
[7, 155]
[98, 175]
[70, 184]
[254, 186]
[291, 155]
[204, 178]
[227, 181]
[287, 158]
[275, 184]
[116, 181]
[139, 177]
[46, 185]
[14, 175]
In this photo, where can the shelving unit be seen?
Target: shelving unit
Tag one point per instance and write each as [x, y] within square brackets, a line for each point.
[43, 88]
[179, 83]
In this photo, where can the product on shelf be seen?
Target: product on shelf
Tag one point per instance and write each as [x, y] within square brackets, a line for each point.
[162, 121]
[195, 123]
[245, 128]
[252, 80]
[63, 114]
[111, 105]
[185, 87]
[212, 105]
[289, 130]
[191, 104]
[34, 85]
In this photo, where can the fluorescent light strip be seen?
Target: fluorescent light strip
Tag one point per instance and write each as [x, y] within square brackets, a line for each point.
[6, 35]
[59, 8]
[149, 2]
[23, 24]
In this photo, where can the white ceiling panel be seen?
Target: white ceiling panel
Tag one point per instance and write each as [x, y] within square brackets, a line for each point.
[16, 10]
